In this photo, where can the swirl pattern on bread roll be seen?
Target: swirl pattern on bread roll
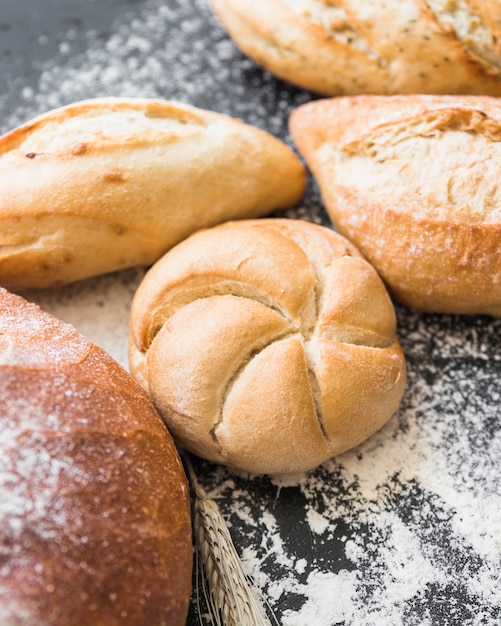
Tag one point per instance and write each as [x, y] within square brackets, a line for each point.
[111, 183]
[267, 345]
[94, 507]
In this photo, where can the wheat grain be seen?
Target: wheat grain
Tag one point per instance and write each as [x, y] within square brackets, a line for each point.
[230, 598]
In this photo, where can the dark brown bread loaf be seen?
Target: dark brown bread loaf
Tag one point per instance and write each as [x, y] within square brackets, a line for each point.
[94, 514]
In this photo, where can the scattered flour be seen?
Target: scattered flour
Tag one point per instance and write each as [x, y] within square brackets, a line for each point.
[405, 530]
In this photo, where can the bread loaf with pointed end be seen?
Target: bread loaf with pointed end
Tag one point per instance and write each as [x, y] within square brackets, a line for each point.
[94, 506]
[107, 184]
[267, 345]
[413, 182]
[337, 47]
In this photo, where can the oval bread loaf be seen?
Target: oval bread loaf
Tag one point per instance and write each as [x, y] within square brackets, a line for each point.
[336, 47]
[267, 345]
[106, 184]
[413, 181]
[94, 507]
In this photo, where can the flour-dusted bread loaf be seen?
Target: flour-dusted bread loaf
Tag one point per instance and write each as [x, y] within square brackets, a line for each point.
[106, 184]
[414, 182]
[338, 47]
[94, 509]
[267, 345]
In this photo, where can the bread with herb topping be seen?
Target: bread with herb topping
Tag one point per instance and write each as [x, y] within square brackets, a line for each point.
[336, 47]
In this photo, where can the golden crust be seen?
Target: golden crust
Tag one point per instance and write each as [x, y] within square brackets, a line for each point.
[95, 518]
[412, 181]
[106, 184]
[239, 332]
[354, 47]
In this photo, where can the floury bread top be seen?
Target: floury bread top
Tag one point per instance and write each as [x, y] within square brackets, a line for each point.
[94, 504]
[413, 182]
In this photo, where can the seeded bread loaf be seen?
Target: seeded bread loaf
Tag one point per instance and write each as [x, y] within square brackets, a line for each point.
[267, 345]
[336, 47]
[413, 181]
[94, 507]
[106, 184]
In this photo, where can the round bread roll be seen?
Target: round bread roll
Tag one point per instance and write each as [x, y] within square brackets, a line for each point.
[267, 345]
[106, 184]
[94, 508]
[354, 46]
[413, 181]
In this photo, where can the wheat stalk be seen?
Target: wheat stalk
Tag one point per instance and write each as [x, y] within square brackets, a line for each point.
[226, 588]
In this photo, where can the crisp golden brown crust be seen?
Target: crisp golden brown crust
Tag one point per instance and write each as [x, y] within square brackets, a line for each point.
[336, 47]
[106, 184]
[413, 182]
[267, 345]
[94, 507]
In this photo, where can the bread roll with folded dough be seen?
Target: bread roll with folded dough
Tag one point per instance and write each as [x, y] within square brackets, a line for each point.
[94, 507]
[106, 184]
[336, 47]
[267, 345]
[414, 182]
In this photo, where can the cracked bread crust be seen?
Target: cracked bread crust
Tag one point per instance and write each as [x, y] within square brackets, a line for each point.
[413, 181]
[106, 184]
[336, 47]
[267, 345]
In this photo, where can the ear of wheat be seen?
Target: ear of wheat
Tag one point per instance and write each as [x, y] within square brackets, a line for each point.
[230, 598]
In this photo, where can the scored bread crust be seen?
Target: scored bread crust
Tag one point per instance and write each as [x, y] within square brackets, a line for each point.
[106, 184]
[353, 47]
[413, 182]
[94, 505]
[267, 345]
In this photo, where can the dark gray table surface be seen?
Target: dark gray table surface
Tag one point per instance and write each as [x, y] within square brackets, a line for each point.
[404, 530]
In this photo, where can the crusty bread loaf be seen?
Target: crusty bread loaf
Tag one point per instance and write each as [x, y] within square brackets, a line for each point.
[94, 507]
[107, 184]
[354, 46]
[413, 181]
[267, 345]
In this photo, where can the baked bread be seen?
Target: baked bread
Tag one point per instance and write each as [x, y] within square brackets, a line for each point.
[106, 184]
[267, 345]
[94, 509]
[337, 47]
[413, 181]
